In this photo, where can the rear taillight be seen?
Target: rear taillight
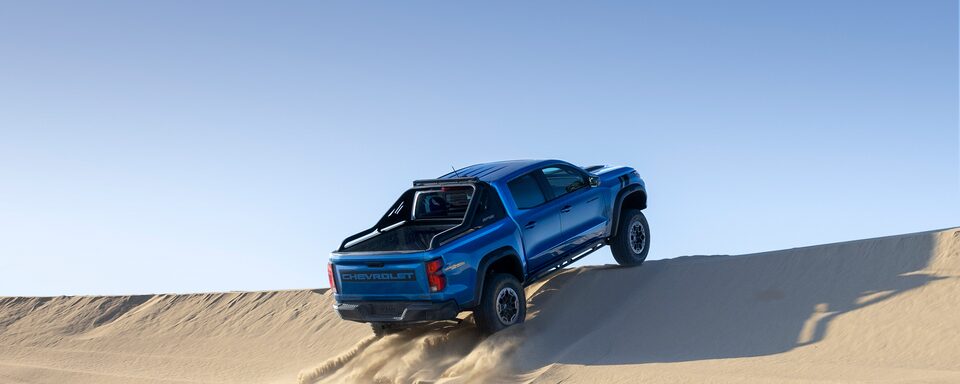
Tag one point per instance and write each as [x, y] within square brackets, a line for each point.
[435, 276]
[333, 283]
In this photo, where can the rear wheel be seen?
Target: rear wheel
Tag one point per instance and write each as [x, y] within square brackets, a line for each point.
[632, 242]
[503, 304]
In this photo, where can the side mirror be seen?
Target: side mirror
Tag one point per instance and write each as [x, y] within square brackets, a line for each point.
[594, 181]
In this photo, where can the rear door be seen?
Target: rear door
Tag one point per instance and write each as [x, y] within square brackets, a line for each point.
[538, 219]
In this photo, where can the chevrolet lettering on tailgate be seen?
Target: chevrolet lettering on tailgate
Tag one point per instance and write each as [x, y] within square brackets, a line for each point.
[403, 275]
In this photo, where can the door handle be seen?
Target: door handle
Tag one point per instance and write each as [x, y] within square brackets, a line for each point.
[530, 225]
[565, 209]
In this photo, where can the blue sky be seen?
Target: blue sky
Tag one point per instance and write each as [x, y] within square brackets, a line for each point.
[181, 146]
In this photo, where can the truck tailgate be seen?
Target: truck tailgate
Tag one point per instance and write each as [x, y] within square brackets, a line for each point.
[382, 280]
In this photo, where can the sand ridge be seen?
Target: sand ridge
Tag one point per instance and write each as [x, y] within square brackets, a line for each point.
[877, 310]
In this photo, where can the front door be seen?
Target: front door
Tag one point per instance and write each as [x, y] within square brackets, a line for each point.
[581, 207]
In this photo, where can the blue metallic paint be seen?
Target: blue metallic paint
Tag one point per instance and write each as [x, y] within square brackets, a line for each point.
[589, 218]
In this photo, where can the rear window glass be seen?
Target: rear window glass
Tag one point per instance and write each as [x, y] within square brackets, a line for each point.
[526, 192]
[444, 203]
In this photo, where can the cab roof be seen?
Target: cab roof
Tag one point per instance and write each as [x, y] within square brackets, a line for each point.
[499, 170]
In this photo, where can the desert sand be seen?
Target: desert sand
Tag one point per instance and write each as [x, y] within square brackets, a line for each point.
[883, 310]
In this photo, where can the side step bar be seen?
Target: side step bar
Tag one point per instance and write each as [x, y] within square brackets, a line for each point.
[574, 256]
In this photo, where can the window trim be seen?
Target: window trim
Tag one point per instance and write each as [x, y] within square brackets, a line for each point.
[544, 185]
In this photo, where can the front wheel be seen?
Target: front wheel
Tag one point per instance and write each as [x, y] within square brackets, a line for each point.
[632, 242]
[503, 304]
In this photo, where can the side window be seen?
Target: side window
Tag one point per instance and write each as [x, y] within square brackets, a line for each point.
[526, 191]
[563, 180]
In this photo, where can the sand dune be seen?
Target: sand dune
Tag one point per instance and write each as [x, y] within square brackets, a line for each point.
[878, 310]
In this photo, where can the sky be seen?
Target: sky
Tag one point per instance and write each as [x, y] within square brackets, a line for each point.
[181, 146]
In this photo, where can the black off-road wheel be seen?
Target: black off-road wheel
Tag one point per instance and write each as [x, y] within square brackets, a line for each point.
[503, 304]
[632, 242]
[383, 329]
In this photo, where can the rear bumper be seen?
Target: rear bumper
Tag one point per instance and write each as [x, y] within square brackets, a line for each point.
[397, 311]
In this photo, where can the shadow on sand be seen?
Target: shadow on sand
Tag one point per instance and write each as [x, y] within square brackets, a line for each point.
[695, 308]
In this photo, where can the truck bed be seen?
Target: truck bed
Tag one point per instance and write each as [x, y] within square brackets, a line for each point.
[408, 237]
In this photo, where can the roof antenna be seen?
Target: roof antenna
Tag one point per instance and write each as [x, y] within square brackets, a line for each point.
[455, 171]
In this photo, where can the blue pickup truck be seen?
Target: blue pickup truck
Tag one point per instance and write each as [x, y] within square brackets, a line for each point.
[472, 239]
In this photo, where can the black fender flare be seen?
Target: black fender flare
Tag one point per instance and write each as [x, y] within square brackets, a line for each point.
[621, 196]
[484, 265]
